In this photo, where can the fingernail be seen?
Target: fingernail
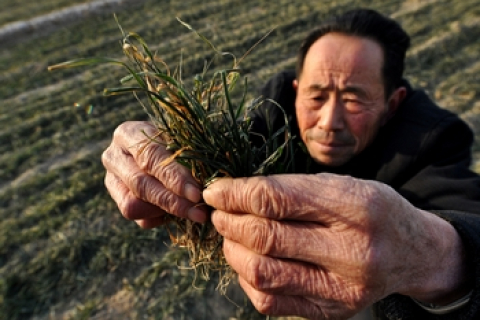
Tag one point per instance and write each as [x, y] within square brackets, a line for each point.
[197, 215]
[208, 194]
[192, 192]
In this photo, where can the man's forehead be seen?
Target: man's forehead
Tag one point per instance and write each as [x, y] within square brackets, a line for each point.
[325, 78]
[344, 56]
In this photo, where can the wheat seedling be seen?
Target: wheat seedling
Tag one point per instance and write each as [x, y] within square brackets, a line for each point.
[205, 130]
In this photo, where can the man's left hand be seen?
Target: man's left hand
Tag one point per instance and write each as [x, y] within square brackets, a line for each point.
[326, 246]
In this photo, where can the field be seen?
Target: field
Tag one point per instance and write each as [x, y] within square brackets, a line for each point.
[65, 251]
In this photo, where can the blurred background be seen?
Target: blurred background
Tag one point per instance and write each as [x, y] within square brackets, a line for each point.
[65, 250]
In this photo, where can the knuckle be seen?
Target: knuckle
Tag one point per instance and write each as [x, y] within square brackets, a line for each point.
[138, 182]
[127, 208]
[143, 186]
[264, 236]
[111, 184]
[264, 202]
[167, 201]
[369, 192]
[171, 174]
[256, 273]
[150, 160]
[374, 201]
[107, 156]
[170, 202]
[361, 296]
[107, 181]
[121, 130]
[265, 304]
[222, 224]
[147, 157]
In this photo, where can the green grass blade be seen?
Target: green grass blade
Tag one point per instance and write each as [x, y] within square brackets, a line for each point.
[84, 62]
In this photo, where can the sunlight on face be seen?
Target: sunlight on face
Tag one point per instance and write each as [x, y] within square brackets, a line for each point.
[340, 103]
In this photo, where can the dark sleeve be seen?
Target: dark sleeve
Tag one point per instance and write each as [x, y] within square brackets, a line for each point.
[443, 179]
[446, 187]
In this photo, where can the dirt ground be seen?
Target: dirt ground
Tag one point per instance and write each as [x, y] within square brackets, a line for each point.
[65, 252]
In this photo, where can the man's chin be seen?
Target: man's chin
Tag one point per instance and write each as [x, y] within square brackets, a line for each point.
[330, 163]
[330, 159]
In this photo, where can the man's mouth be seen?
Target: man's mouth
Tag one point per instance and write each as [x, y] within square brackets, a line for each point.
[330, 146]
[332, 143]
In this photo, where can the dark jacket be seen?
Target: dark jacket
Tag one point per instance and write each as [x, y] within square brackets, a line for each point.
[423, 152]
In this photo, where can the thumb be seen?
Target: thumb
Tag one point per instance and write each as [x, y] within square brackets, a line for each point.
[322, 198]
[260, 196]
[276, 197]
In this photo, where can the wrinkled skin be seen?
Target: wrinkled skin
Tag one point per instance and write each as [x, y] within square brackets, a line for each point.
[320, 246]
[326, 246]
[143, 190]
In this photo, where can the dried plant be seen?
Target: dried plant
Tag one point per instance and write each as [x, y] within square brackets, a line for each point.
[206, 131]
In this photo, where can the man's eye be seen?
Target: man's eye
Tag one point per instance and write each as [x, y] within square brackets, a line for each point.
[319, 98]
[353, 105]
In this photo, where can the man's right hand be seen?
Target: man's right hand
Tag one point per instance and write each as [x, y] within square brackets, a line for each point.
[143, 189]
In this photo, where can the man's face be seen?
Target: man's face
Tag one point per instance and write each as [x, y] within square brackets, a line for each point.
[340, 103]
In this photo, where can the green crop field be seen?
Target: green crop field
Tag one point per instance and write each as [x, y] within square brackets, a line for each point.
[65, 250]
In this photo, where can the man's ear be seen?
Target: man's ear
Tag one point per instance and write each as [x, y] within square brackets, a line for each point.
[295, 85]
[394, 102]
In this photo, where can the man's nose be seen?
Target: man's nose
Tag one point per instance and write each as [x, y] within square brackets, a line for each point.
[331, 115]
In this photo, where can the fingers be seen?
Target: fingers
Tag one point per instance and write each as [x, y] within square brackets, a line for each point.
[304, 241]
[286, 287]
[127, 174]
[132, 208]
[145, 187]
[148, 156]
[315, 198]
[281, 305]
[275, 276]
[260, 196]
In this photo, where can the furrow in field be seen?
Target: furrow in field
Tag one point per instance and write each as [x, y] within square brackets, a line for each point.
[19, 10]
[70, 138]
[413, 6]
[57, 162]
[429, 65]
[48, 23]
[98, 34]
[431, 21]
[461, 89]
[445, 38]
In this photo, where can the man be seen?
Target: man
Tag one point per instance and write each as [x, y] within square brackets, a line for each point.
[388, 214]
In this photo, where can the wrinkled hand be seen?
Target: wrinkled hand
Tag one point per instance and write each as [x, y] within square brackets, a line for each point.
[143, 189]
[326, 246]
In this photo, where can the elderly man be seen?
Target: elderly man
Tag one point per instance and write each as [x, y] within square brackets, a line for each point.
[382, 210]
